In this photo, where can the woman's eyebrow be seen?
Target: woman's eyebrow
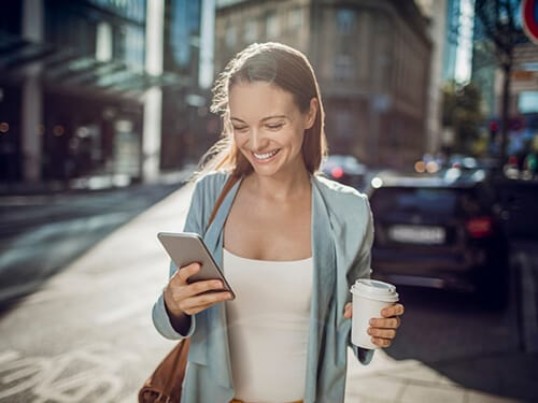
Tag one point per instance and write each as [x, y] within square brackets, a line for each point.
[263, 120]
[274, 117]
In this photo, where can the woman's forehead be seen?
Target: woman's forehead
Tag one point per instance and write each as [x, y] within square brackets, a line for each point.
[259, 99]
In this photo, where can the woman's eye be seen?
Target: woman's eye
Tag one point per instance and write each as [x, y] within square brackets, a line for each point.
[275, 126]
[240, 128]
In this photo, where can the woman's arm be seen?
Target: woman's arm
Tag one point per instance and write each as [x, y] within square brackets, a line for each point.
[166, 324]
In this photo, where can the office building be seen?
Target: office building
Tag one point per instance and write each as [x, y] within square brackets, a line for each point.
[85, 84]
[372, 60]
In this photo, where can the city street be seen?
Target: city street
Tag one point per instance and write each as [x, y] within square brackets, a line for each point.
[40, 233]
[85, 335]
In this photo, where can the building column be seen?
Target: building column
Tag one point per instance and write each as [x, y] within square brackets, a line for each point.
[151, 136]
[207, 44]
[32, 96]
[434, 112]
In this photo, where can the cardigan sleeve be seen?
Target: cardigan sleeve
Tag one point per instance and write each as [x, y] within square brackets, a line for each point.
[161, 319]
[361, 269]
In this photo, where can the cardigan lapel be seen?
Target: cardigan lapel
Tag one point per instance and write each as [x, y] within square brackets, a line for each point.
[219, 351]
[324, 257]
[323, 250]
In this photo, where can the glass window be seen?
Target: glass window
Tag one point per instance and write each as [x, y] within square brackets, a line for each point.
[528, 102]
[251, 31]
[343, 68]
[345, 21]
[296, 18]
[134, 46]
[231, 36]
[184, 30]
[132, 9]
[272, 26]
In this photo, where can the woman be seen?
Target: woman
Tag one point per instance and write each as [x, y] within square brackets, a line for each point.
[290, 242]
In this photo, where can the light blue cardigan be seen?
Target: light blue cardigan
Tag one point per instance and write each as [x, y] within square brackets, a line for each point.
[342, 235]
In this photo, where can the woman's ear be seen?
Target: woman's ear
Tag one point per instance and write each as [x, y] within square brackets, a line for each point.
[312, 112]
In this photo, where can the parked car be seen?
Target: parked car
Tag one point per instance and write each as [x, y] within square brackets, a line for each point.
[442, 232]
[345, 169]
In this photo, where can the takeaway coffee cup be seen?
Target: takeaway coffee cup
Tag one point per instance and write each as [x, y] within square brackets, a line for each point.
[369, 298]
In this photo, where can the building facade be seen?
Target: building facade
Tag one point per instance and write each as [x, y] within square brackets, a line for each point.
[85, 87]
[372, 60]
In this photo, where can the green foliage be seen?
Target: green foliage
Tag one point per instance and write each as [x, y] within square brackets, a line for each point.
[462, 112]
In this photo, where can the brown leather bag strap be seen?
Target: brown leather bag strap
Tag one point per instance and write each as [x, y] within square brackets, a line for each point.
[232, 180]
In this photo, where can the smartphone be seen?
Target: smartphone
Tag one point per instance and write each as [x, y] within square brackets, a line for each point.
[188, 247]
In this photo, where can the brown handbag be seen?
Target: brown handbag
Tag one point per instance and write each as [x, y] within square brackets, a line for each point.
[165, 384]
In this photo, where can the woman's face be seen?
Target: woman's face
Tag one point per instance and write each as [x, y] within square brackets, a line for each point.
[268, 127]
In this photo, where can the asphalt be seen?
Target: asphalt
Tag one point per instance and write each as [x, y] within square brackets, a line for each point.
[507, 376]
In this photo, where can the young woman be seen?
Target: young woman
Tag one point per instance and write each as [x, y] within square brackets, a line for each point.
[290, 242]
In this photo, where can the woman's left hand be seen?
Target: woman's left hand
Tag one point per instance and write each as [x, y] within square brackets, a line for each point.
[382, 330]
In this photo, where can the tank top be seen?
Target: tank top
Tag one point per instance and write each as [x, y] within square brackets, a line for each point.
[268, 325]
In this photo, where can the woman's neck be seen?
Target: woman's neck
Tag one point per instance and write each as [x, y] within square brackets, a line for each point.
[279, 188]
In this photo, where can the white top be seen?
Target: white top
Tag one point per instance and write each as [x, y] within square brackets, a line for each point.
[268, 326]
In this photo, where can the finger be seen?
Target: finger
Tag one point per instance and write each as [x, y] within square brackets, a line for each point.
[383, 343]
[348, 310]
[176, 293]
[182, 275]
[199, 303]
[393, 310]
[385, 323]
[202, 287]
[382, 333]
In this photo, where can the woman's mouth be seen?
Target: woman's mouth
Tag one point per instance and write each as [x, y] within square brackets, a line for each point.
[265, 156]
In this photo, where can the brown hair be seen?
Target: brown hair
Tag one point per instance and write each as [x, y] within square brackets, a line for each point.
[279, 65]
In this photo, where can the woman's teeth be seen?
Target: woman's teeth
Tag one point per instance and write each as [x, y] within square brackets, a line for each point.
[265, 156]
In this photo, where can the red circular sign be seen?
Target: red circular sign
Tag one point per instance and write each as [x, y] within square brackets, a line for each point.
[529, 13]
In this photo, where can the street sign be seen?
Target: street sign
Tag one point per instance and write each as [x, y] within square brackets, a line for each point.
[529, 14]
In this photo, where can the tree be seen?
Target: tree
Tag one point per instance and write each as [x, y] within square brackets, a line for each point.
[498, 24]
[461, 112]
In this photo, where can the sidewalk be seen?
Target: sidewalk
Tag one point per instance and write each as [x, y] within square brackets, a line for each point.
[409, 381]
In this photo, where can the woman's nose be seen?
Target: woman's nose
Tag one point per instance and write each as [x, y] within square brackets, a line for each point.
[257, 139]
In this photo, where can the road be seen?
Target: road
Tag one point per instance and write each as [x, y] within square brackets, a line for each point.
[39, 234]
[85, 334]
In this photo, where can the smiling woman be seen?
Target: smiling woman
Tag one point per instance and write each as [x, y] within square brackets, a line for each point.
[268, 128]
[289, 241]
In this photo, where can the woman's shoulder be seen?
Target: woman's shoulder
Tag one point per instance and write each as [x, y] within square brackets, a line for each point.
[338, 192]
[347, 207]
[211, 181]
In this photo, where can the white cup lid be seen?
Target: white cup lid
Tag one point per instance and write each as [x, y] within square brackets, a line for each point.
[375, 289]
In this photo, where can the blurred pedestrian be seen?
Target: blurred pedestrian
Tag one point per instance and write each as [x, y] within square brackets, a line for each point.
[290, 242]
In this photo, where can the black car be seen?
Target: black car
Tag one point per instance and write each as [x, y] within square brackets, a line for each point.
[345, 169]
[440, 232]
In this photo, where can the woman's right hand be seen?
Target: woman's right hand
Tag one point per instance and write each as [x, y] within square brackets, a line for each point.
[182, 298]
